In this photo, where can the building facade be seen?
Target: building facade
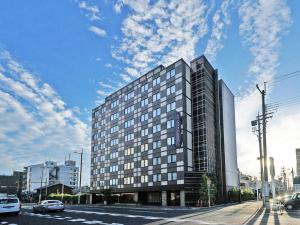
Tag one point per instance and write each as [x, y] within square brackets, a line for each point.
[298, 161]
[49, 173]
[155, 137]
[12, 184]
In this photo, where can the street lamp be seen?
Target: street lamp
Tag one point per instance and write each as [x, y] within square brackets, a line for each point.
[80, 175]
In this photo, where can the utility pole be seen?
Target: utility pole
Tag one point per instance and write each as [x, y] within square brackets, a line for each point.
[258, 133]
[266, 185]
[40, 196]
[46, 184]
[293, 176]
[80, 175]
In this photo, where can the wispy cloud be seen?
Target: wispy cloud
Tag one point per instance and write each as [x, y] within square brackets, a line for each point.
[118, 6]
[221, 20]
[108, 65]
[263, 23]
[92, 11]
[34, 119]
[159, 32]
[98, 31]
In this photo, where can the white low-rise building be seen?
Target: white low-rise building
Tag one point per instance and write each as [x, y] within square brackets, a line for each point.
[50, 173]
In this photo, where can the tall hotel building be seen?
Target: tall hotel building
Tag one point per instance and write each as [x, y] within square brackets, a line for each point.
[153, 138]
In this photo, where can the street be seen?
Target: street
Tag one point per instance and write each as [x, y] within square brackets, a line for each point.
[245, 213]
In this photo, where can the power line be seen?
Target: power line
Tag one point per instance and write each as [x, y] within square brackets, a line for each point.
[280, 78]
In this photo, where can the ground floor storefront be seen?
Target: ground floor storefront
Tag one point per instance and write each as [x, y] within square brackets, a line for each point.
[162, 198]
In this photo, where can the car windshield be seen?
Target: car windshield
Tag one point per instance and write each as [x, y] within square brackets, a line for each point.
[51, 202]
[294, 196]
[3, 201]
[12, 200]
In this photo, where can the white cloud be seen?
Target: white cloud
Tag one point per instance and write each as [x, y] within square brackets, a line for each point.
[93, 12]
[160, 32]
[221, 19]
[36, 124]
[98, 31]
[263, 23]
[108, 65]
[126, 78]
[118, 6]
[104, 85]
[102, 93]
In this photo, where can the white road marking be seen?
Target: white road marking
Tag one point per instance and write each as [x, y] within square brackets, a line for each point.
[146, 211]
[77, 220]
[4, 222]
[175, 219]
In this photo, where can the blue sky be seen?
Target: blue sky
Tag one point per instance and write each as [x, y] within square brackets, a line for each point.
[76, 52]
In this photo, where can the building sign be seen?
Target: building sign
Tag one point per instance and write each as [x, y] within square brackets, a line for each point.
[178, 137]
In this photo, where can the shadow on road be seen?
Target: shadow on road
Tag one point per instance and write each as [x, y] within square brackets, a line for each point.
[255, 218]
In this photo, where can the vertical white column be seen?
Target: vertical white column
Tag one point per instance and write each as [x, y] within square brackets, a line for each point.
[182, 198]
[136, 197]
[164, 198]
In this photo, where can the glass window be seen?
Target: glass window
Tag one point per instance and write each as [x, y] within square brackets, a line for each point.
[144, 162]
[156, 81]
[156, 97]
[114, 142]
[114, 104]
[156, 177]
[129, 96]
[114, 116]
[144, 147]
[156, 128]
[144, 117]
[129, 109]
[170, 73]
[114, 129]
[129, 123]
[171, 141]
[171, 158]
[171, 106]
[156, 161]
[144, 102]
[144, 132]
[144, 178]
[144, 88]
[171, 90]
[156, 112]
[156, 144]
[172, 176]
[170, 124]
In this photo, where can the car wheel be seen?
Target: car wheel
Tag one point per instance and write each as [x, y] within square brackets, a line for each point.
[44, 210]
[61, 210]
[289, 207]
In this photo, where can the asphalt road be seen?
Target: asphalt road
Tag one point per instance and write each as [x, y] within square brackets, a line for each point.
[246, 213]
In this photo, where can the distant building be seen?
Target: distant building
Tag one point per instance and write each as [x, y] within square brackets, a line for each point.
[11, 184]
[248, 181]
[298, 161]
[58, 188]
[50, 173]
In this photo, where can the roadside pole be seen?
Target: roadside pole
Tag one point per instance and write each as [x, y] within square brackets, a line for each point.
[208, 191]
[62, 193]
[42, 177]
[265, 154]
[272, 172]
[80, 175]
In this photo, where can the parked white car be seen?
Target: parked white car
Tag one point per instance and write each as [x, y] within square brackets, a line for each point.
[9, 205]
[48, 205]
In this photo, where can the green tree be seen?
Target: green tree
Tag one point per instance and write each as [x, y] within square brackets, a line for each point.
[107, 194]
[203, 190]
